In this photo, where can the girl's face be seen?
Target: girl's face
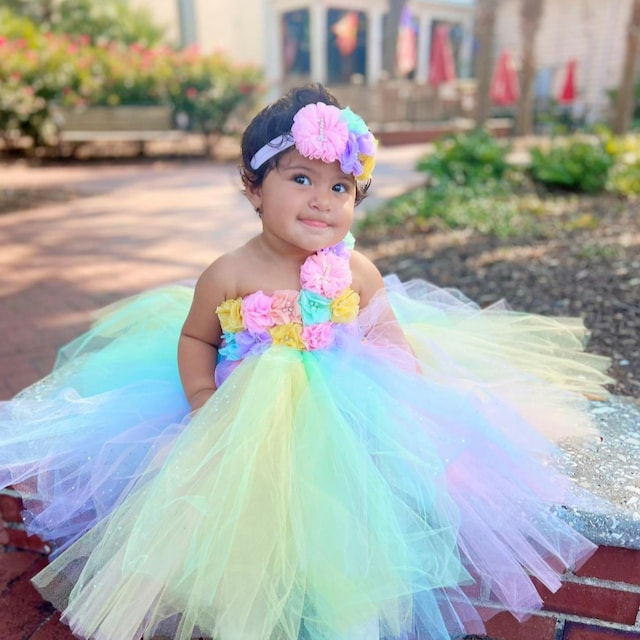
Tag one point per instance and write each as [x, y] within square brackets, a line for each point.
[305, 204]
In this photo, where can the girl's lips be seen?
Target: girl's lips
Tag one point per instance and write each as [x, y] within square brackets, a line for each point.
[319, 224]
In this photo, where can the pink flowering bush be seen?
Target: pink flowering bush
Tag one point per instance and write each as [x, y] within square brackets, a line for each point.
[41, 70]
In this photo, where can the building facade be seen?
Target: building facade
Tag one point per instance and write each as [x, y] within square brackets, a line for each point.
[342, 43]
[590, 32]
[309, 39]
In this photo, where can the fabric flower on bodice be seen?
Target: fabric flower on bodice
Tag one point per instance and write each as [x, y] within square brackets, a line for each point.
[285, 307]
[256, 312]
[341, 249]
[314, 307]
[230, 349]
[320, 132]
[320, 315]
[287, 335]
[345, 307]
[230, 315]
[253, 343]
[318, 336]
[326, 273]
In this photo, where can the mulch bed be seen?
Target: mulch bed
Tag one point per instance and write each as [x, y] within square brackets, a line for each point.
[583, 269]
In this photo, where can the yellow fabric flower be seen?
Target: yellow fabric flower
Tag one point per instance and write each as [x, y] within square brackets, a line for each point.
[368, 163]
[288, 335]
[345, 307]
[230, 314]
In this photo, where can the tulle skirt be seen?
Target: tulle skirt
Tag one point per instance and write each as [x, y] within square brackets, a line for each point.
[367, 491]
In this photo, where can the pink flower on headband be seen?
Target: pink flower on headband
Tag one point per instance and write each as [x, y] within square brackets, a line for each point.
[320, 132]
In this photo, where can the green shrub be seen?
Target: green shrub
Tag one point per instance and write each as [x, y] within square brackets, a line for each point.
[625, 179]
[41, 70]
[466, 158]
[493, 209]
[100, 22]
[574, 165]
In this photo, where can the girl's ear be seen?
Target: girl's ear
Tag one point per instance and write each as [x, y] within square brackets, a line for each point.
[253, 193]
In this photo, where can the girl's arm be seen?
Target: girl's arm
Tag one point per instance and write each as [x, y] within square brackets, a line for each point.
[200, 338]
[381, 324]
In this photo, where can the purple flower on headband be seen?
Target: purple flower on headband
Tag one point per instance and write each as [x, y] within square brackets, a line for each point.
[320, 132]
[358, 144]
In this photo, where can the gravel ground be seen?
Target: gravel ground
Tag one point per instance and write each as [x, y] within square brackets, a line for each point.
[586, 263]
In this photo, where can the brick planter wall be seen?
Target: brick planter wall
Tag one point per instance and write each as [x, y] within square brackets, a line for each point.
[12, 532]
[601, 601]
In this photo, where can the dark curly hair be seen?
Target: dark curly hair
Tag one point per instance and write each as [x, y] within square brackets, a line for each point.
[275, 120]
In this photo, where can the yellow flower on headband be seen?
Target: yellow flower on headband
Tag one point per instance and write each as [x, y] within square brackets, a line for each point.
[230, 314]
[368, 163]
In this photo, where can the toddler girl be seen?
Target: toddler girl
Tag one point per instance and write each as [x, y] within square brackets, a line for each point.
[333, 457]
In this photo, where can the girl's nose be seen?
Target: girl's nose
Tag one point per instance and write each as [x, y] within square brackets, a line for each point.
[321, 199]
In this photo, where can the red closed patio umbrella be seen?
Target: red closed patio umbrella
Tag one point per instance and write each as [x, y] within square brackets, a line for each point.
[568, 90]
[442, 68]
[505, 88]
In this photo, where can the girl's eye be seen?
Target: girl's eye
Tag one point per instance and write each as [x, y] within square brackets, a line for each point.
[341, 188]
[302, 179]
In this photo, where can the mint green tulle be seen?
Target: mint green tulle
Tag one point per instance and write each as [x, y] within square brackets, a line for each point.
[269, 515]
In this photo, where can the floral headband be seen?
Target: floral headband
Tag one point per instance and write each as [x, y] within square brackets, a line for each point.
[324, 132]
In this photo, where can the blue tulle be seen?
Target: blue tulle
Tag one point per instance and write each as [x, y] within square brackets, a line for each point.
[369, 490]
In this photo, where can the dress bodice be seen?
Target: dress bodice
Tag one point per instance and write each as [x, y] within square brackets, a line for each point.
[307, 319]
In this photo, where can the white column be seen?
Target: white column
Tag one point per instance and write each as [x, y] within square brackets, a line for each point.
[424, 48]
[272, 48]
[374, 45]
[318, 29]
[466, 51]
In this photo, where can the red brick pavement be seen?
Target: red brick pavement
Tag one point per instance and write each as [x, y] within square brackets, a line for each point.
[135, 227]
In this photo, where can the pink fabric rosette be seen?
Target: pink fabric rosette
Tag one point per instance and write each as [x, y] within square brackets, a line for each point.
[317, 336]
[326, 273]
[320, 132]
[256, 312]
[285, 307]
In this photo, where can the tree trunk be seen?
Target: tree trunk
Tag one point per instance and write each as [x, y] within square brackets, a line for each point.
[530, 16]
[390, 37]
[484, 37]
[623, 114]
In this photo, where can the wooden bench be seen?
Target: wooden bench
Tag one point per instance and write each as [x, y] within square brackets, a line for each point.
[101, 124]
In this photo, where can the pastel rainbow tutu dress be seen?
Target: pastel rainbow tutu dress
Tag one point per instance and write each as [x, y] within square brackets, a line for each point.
[353, 477]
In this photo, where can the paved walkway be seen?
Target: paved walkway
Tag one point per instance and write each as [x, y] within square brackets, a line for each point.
[136, 226]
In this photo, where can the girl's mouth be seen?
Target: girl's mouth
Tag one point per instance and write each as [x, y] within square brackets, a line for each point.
[318, 224]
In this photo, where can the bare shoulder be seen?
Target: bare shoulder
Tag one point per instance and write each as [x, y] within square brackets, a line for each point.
[224, 278]
[220, 276]
[367, 279]
[217, 283]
